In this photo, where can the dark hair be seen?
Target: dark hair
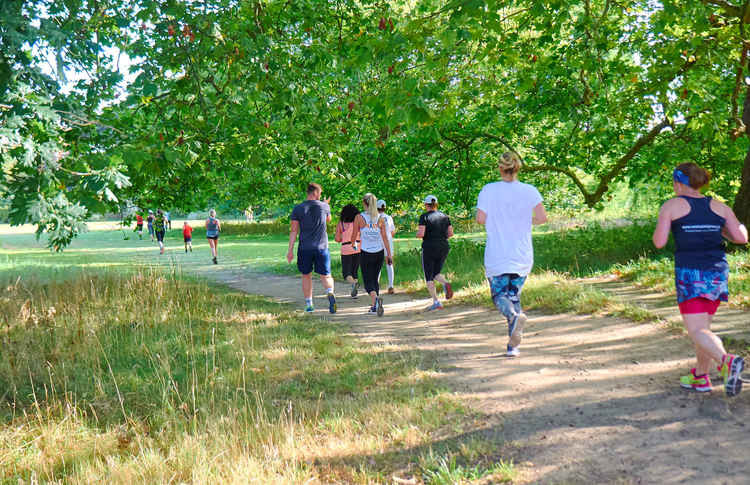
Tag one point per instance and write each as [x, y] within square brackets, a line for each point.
[698, 176]
[349, 212]
[312, 187]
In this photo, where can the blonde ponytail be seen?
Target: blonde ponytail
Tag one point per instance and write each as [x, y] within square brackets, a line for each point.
[371, 206]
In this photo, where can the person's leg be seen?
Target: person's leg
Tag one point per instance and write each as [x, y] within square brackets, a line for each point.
[706, 342]
[307, 286]
[429, 274]
[305, 267]
[369, 274]
[216, 248]
[323, 268]
[389, 269]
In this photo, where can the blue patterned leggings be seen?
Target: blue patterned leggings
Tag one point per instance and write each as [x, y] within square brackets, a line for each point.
[506, 290]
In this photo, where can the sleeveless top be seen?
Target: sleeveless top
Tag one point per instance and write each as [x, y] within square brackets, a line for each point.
[159, 224]
[346, 238]
[212, 227]
[372, 241]
[697, 236]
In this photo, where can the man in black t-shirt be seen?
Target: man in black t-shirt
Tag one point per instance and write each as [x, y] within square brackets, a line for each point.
[434, 229]
[309, 221]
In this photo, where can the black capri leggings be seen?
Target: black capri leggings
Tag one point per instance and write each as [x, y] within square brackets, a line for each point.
[350, 265]
[371, 264]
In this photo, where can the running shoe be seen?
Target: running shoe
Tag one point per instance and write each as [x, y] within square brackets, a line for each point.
[379, 306]
[391, 291]
[331, 303]
[448, 291]
[435, 306]
[373, 310]
[513, 351]
[215, 262]
[355, 290]
[731, 370]
[309, 309]
[515, 329]
[696, 383]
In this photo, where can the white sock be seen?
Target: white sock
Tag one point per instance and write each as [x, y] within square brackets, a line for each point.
[329, 291]
[308, 301]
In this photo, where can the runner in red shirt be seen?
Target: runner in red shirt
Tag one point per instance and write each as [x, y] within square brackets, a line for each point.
[139, 225]
[187, 235]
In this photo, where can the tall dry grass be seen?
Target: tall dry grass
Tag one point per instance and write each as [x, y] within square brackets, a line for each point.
[148, 378]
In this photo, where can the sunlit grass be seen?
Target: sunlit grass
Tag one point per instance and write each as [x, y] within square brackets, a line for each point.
[148, 378]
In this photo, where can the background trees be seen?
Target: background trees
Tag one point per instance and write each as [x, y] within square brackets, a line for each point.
[247, 101]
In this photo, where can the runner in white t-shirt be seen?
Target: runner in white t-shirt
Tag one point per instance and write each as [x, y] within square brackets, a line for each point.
[390, 230]
[508, 209]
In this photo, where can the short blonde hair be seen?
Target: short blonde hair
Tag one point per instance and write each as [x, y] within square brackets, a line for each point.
[509, 163]
[212, 213]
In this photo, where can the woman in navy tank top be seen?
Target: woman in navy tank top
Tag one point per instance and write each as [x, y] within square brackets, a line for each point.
[698, 225]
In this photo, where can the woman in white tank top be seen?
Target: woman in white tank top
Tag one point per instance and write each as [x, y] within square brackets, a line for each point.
[369, 228]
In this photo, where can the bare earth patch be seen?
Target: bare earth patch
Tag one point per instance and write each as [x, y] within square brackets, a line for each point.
[590, 400]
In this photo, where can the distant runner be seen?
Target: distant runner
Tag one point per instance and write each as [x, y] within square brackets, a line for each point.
[309, 221]
[187, 236]
[139, 225]
[508, 209]
[213, 228]
[701, 271]
[369, 226]
[434, 230]
[160, 224]
[350, 253]
[150, 222]
[390, 231]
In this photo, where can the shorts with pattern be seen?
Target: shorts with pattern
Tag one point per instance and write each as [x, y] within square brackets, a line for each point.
[699, 283]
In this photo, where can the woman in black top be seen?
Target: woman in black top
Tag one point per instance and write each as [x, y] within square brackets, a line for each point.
[434, 229]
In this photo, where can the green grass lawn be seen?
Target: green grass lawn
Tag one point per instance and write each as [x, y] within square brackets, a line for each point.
[114, 370]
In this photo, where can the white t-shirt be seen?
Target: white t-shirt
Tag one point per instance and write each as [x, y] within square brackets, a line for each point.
[509, 207]
[390, 226]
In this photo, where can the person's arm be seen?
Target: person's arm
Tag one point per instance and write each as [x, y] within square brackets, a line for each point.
[339, 235]
[218, 225]
[449, 232]
[293, 231]
[733, 229]
[206, 224]
[481, 216]
[539, 216]
[663, 225]
[328, 214]
[355, 230]
[420, 231]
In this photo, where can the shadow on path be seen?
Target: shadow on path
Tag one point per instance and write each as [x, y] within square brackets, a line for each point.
[590, 400]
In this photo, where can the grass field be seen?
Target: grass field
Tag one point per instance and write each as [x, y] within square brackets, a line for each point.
[118, 370]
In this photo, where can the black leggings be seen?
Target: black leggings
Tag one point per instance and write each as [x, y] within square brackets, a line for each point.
[371, 264]
[350, 265]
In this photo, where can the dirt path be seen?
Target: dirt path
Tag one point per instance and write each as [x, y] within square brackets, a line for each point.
[590, 400]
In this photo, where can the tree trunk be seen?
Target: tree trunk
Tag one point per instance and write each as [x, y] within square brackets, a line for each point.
[742, 200]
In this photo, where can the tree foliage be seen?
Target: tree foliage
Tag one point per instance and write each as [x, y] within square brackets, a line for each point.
[245, 102]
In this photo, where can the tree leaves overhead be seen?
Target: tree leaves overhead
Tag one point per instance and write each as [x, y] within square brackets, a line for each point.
[239, 103]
